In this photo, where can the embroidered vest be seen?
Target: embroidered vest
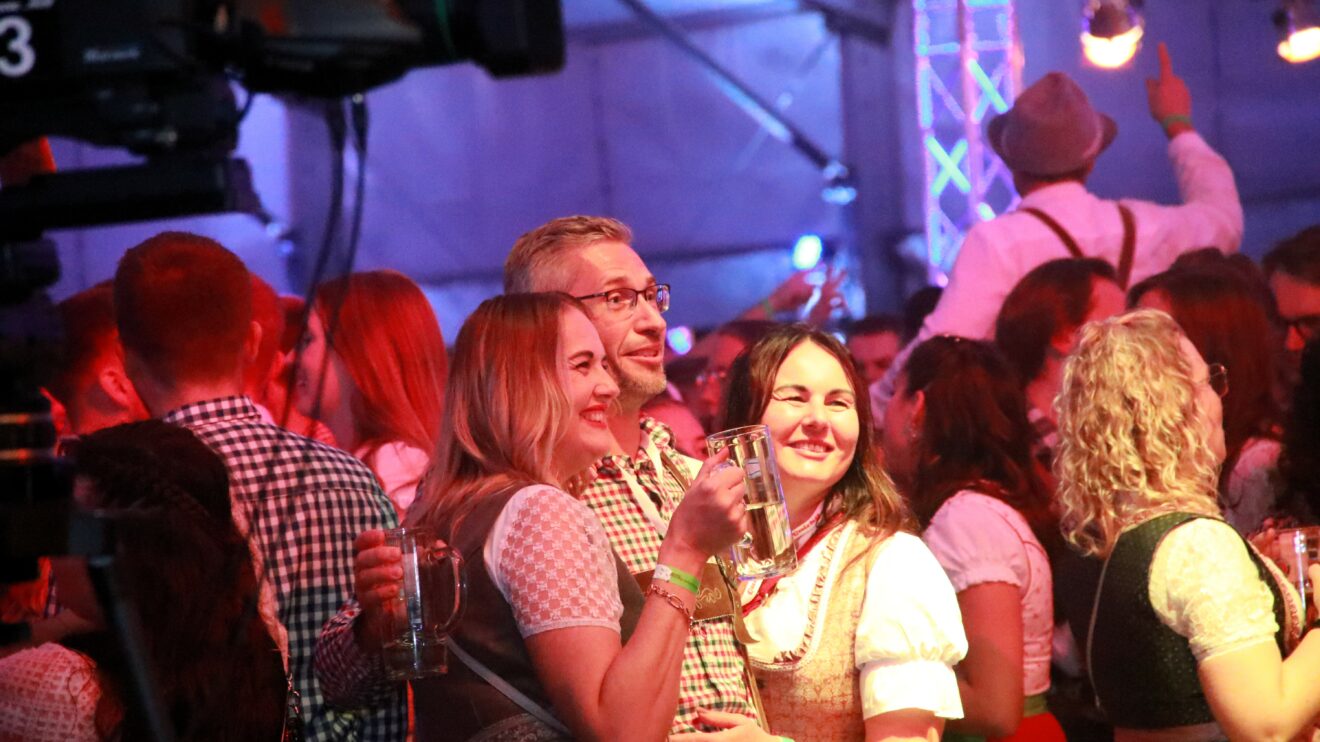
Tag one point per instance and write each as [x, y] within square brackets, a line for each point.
[814, 693]
[1145, 673]
[459, 705]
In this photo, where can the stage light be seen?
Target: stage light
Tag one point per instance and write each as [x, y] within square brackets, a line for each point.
[680, 339]
[807, 252]
[1111, 32]
[1298, 22]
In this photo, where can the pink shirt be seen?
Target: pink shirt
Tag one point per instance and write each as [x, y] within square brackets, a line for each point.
[980, 539]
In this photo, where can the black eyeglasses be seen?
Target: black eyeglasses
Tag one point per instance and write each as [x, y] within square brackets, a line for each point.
[1217, 378]
[624, 301]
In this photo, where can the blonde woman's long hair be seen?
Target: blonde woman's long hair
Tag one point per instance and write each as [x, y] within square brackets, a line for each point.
[505, 407]
[1131, 444]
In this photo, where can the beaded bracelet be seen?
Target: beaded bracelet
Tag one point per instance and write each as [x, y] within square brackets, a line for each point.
[672, 599]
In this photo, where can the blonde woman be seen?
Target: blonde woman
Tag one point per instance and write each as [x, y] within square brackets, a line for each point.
[550, 609]
[1186, 628]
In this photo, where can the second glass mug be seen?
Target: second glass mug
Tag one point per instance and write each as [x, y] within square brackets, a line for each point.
[427, 607]
[767, 549]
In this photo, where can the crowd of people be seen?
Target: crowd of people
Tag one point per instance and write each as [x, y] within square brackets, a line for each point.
[1041, 505]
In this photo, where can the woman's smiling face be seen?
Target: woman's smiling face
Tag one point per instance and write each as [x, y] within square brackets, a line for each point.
[812, 416]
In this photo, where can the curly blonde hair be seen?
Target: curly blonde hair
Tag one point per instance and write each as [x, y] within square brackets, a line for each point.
[1131, 443]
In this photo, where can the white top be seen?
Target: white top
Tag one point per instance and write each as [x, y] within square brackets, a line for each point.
[1218, 610]
[551, 560]
[48, 694]
[981, 539]
[996, 254]
[909, 636]
[1250, 493]
[399, 467]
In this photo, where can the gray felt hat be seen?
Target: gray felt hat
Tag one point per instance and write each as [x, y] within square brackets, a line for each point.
[1051, 129]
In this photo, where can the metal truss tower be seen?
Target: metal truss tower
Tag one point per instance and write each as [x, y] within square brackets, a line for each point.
[969, 66]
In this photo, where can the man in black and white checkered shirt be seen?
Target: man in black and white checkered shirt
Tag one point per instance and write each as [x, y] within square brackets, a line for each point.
[183, 305]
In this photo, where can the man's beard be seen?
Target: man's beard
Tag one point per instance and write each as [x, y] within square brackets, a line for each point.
[636, 390]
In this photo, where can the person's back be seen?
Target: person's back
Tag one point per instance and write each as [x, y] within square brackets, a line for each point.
[1050, 140]
[183, 305]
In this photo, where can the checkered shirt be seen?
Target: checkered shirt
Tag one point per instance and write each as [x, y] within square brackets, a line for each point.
[712, 675]
[305, 502]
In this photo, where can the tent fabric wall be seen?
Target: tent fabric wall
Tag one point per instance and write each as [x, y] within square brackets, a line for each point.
[460, 164]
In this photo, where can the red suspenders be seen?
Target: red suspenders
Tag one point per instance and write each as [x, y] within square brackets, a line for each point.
[1129, 239]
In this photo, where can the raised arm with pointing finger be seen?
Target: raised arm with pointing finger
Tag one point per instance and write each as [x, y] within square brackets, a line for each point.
[1050, 140]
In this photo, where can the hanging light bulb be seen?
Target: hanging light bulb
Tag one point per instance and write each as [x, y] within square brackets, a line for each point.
[1111, 32]
[1298, 22]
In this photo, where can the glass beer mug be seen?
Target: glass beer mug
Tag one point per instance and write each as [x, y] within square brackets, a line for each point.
[427, 607]
[767, 549]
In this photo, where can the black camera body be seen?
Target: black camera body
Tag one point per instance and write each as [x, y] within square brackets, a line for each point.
[156, 77]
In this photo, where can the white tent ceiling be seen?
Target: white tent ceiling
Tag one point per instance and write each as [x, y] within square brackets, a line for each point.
[587, 13]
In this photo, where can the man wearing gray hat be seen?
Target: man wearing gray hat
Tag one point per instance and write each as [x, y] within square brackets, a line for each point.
[1050, 140]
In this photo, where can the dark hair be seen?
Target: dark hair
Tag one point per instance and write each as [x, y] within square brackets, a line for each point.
[864, 493]
[295, 321]
[1225, 318]
[917, 307]
[1053, 298]
[184, 307]
[975, 434]
[747, 330]
[1238, 265]
[1298, 256]
[876, 324]
[90, 335]
[180, 556]
[268, 313]
[1299, 463]
[685, 369]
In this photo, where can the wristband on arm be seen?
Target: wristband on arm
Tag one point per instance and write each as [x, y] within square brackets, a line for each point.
[1174, 118]
[677, 577]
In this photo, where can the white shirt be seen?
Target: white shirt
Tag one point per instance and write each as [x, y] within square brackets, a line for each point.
[399, 467]
[981, 539]
[909, 636]
[551, 560]
[996, 254]
[1250, 492]
[1220, 609]
[48, 694]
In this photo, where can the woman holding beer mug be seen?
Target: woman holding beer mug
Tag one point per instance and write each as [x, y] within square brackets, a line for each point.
[1187, 625]
[549, 611]
[860, 640]
[958, 444]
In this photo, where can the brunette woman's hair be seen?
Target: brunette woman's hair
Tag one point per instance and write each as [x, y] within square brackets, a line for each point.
[865, 493]
[506, 408]
[183, 562]
[384, 329]
[1223, 315]
[1053, 298]
[975, 434]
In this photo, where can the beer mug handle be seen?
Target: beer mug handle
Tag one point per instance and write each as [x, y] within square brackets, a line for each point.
[444, 552]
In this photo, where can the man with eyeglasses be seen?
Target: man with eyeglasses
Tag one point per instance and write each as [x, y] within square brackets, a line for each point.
[640, 482]
[1293, 269]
